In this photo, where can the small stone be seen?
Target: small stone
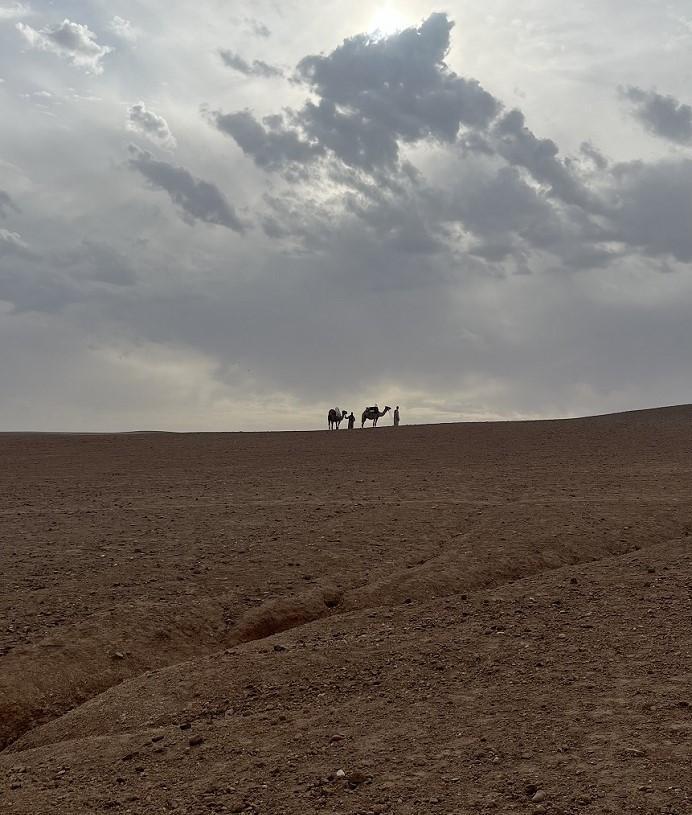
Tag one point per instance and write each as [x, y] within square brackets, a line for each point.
[573, 581]
[340, 774]
[185, 726]
[539, 809]
[356, 777]
[196, 740]
[157, 738]
[118, 655]
[336, 738]
[280, 648]
[538, 797]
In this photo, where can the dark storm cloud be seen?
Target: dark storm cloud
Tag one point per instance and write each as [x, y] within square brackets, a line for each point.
[661, 115]
[6, 204]
[198, 200]
[373, 93]
[520, 147]
[655, 207]
[255, 68]
[372, 96]
[270, 144]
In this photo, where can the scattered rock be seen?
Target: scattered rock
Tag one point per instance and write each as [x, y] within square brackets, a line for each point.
[196, 740]
[356, 777]
[185, 726]
[118, 655]
[280, 648]
[340, 774]
[538, 797]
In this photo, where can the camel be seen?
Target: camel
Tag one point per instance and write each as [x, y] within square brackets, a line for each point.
[374, 414]
[335, 417]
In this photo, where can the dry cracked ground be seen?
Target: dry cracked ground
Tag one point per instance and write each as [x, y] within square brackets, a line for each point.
[473, 618]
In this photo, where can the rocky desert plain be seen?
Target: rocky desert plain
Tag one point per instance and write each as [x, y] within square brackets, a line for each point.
[427, 620]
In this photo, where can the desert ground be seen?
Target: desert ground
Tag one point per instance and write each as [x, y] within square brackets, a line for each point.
[452, 619]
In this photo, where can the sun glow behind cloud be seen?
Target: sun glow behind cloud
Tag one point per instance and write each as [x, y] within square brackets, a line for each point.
[387, 20]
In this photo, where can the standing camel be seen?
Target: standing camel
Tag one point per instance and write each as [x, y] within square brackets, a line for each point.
[374, 414]
[335, 417]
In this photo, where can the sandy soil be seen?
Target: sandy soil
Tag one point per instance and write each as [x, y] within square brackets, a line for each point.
[488, 618]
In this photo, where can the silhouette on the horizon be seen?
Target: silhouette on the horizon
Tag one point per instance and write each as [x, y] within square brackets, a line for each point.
[396, 416]
[351, 421]
[335, 417]
[373, 413]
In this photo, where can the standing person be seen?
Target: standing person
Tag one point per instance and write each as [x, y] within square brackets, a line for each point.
[351, 421]
[396, 416]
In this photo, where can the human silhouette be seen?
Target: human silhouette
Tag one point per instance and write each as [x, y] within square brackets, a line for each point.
[351, 421]
[396, 416]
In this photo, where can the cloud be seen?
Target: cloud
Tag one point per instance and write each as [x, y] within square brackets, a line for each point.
[270, 145]
[14, 11]
[11, 243]
[521, 148]
[594, 155]
[661, 115]
[654, 210]
[97, 262]
[73, 41]
[124, 29]
[6, 204]
[257, 68]
[507, 202]
[258, 28]
[530, 275]
[372, 93]
[150, 124]
[197, 200]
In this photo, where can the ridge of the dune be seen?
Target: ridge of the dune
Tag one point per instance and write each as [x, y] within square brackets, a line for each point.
[651, 413]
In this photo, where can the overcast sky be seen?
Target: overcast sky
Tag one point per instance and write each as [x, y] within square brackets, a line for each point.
[234, 215]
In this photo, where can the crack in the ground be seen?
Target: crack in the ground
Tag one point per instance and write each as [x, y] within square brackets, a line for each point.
[288, 613]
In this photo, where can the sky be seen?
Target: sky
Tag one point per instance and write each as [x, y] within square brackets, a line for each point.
[237, 215]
